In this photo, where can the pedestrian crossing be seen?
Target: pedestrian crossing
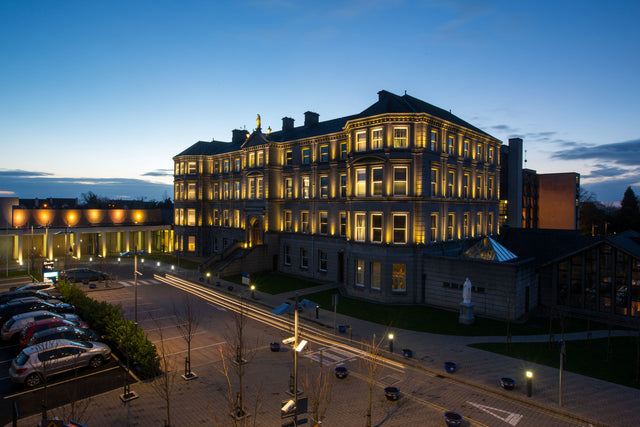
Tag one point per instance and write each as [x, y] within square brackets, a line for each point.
[331, 356]
[130, 283]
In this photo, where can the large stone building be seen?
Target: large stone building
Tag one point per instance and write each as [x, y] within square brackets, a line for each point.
[365, 200]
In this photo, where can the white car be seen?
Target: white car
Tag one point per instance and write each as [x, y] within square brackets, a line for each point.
[17, 323]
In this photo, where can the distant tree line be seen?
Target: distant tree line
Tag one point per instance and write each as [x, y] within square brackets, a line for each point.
[597, 218]
[93, 201]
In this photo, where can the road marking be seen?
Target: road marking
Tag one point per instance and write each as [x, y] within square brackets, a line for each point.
[508, 417]
[197, 348]
[331, 355]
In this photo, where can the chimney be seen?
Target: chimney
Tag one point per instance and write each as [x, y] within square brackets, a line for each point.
[239, 136]
[287, 123]
[311, 118]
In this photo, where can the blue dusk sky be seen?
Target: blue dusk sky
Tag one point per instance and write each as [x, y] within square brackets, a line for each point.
[100, 95]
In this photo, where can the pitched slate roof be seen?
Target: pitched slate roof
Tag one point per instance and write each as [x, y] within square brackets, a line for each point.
[388, 103]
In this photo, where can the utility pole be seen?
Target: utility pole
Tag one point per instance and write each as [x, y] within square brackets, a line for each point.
[135, 282]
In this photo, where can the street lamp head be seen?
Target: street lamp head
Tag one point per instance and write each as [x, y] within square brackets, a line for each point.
[390, 336]
[208, 274]
[529, 374]
[253, 287]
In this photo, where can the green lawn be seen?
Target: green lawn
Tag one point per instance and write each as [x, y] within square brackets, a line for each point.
[583, 357]
[274, 283]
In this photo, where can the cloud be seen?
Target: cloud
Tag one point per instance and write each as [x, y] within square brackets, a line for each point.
[42, 185]
[159, 172]
[7, 173]
[606, 171]
[623, 153]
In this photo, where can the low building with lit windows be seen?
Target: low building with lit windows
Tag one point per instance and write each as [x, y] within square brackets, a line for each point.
[363, 200]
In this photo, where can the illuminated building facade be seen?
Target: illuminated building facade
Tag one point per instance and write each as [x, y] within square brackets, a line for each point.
[357, 200]
[52, 230]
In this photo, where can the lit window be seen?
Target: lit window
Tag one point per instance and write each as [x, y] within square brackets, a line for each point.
[465, 149]
[176, 191]
[191, 217]
[287, 254]
[216, 193]
[216, 167]
[479, 152]
[181, 168]
[359, 272]
[259, 189]
[361, 141]
[375, 275]
[451, 177]
[434, 227]
[376, 228]
[490, 189]
[400, 181]
[324, 187]
[434, 140]
[306, 156]
[450, 145]
[399, 228]
[288, 158]
[236, 190]
[343, 185]
[238, 163]
[304, 222]
[434, 182]
[216, 217]
[324, 153]
[226, 191]
[376, 139]
[398, 279]
[236, 218]
[479, 224]
[287, 220]
[225, 217]
[252, 159]
[479, 187]
[400, 137]
[226, 166]
[450, 222]
[260, 159]
[343, 224]
[177, 169]
[191, 167]
[323, 223]
[376, 182]
[343, 150]
[176, 216]
[288, 188]
[322, 260]
[306, 184]
[361, 182]
[360, 227]
[465, 185]
[465, 225]
[490, 223]
[192, 244]
[191, 191]
[304, 258]
[491, 155]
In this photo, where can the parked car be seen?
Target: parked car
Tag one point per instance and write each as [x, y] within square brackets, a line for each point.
[45, 324]
[23, 305]
[14, 326]
[82, 275]
[132, 253]
[40, 361]
[11, 295]
[63, 332]
[41, 286]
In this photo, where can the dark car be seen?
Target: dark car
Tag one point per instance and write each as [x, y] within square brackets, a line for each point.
[83, 275]
[11, 295]
[66, 332]
[45, 287]
[23, 305]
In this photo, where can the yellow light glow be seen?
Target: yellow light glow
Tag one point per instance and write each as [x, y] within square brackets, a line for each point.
[95, 216]
[43, 217]
[117, 215]
[138, 216]
[529, 374]
[72, 217]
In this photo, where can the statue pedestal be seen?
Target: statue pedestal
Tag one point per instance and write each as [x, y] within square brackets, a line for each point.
[466, 313]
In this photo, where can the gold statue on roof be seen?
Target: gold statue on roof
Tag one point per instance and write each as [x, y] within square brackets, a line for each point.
[258, 121]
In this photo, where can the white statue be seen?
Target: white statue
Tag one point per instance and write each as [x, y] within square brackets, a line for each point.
[466, 292]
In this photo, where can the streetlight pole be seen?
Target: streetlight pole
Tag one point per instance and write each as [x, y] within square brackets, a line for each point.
[135, 283]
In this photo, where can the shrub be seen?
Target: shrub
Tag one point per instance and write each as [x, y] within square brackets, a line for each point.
[127, 339]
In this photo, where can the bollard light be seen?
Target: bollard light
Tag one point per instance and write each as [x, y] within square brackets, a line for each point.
[391, 343]
[253, 291]
[529, 383]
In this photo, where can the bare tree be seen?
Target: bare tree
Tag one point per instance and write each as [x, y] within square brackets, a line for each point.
[317, 382]
[188, 323]
[164, 382]
[372, 367]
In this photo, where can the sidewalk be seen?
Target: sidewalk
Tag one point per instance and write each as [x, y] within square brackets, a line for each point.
[594, 401]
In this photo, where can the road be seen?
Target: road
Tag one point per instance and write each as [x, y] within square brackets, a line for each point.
[425, 394]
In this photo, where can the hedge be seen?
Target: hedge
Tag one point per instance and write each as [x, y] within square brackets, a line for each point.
[123, 335]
